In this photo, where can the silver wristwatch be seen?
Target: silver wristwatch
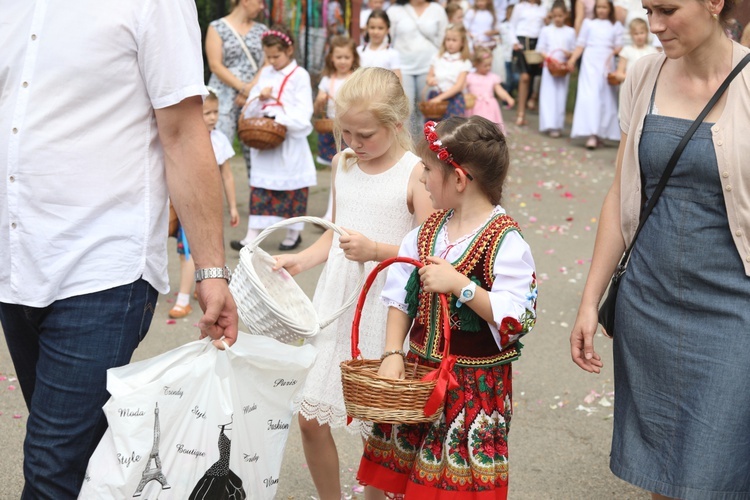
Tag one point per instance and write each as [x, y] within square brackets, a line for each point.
[213, 272]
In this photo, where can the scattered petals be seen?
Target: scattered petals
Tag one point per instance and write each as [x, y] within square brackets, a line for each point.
[171, 322]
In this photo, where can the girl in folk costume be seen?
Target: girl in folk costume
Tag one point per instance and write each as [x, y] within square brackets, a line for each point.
[482, 24]
[475, 253]
[377, 50]
[378, 199]
[449, 69]
[280, 177]
[341, 61]
[556, 41]
[595, 114]
[485, 85]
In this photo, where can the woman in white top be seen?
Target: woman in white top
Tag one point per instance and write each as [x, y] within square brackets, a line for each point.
[417, 31]
[527, 20]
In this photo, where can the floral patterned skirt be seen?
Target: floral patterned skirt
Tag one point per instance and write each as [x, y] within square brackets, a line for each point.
[285, 204]
[326, 146]
[464, 454]
[456, 104]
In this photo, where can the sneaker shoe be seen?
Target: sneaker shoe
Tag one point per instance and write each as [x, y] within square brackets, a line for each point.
[236, 245]
[178, 312]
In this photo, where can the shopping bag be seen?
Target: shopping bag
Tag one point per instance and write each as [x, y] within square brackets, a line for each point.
[199, 423]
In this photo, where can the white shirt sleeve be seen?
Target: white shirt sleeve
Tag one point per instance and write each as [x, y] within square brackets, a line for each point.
[223, 149]
[297, 110]
[169, 52]
[325, 85]
[394, 290]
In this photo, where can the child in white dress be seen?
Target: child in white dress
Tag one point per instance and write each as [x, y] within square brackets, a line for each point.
[631, 53]
[377, 50]
[281, 177]
[599, 41]
[482, 24]
[378, 199]
[449, 69]
[556, 41]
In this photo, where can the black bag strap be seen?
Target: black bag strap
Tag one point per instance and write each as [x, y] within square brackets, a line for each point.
[676, 156]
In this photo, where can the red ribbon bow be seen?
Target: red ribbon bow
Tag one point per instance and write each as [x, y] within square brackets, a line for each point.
[446, 380]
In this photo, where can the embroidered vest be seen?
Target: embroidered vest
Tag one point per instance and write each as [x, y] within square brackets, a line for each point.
[471, 338]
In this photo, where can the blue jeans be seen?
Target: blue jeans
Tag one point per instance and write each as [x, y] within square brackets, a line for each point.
[413, 88]
[61, 354]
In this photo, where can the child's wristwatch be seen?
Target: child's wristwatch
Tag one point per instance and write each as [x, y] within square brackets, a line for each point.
[467, 293]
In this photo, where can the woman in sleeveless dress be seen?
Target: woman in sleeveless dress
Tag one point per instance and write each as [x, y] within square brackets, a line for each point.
[235, 55]
[682, 410]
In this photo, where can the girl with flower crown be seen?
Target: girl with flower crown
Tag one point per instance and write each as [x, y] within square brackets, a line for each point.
[475, 254]
[281, 177]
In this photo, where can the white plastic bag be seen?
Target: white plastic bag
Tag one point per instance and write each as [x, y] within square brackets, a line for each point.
[198, 422]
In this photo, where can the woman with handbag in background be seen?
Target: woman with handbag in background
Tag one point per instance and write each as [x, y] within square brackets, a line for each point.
[681, 348]
[527, 20]
[235, 55]
[417, 32]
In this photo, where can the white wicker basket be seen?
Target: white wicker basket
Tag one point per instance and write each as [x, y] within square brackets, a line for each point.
[271, 303]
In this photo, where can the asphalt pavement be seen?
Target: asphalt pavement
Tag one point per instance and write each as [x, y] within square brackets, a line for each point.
[562, 422]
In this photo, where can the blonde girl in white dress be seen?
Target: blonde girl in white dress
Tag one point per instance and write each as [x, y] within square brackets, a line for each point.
[599, 41]
[378, 199]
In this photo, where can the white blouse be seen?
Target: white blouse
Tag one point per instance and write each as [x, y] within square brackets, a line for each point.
[514, 290]
[325, 86]
[223, 149]
[289, 166]
[478, 23]
[417, 38]
[528, 19]
[384, 56]
[447, 69]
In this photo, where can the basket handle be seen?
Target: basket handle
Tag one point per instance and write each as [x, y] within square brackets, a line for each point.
[247, 103]
[428, 87]
[329, 225]
[444, 373]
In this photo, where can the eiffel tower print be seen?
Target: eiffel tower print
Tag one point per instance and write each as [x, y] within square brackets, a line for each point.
[153, 473]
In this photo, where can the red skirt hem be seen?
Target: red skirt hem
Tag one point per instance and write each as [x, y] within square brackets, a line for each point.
[371, 474]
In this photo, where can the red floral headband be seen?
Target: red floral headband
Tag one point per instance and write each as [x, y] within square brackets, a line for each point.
[436, 145]
[277, 34]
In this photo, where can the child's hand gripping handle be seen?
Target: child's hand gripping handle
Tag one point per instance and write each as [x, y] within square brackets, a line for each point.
[444, 374]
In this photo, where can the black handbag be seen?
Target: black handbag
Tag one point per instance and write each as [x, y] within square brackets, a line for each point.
[607, 307]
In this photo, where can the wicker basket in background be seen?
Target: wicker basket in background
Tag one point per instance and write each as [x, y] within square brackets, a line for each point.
[368, 396]
[271, 303]
[260, 132]
[556, 68]
[323, 125]
[432, 110]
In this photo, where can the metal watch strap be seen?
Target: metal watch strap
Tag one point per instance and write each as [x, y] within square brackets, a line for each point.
[213, 272]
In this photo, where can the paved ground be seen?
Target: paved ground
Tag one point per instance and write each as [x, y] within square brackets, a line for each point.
[559, 444]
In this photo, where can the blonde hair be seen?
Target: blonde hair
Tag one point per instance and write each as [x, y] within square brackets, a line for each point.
[381, 93]
[461, 30]
[481, 54]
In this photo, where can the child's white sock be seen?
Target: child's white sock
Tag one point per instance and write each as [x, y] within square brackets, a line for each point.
[183, 299]
[291, 237]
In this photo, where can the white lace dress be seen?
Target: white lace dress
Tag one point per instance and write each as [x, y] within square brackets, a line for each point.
[376, 206]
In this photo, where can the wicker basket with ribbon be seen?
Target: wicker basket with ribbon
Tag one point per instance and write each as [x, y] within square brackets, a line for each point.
[556, 68]
[430, 109]
[418, 398]
[271, 303]
[260, 132]
[612, 77]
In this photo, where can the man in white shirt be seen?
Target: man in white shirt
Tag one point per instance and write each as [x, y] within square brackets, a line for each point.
[100, 116]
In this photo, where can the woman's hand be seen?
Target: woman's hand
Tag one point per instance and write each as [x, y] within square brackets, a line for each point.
[436, 99]
[357, 247]
[291, 262]
[582, 340]
[240, 100]
[439, 276]
[431, 81]
[392, 367]
[517, 46]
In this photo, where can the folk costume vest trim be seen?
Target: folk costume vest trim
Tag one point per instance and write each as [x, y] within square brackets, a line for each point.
[471, 338]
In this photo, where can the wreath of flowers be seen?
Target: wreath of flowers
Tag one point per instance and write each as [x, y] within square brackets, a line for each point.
[282, 36]
[436, 145]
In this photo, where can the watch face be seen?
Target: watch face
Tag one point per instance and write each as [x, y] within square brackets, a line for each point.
[467, 294]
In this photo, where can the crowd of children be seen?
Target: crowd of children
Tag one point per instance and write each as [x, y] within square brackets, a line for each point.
[442, 207]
